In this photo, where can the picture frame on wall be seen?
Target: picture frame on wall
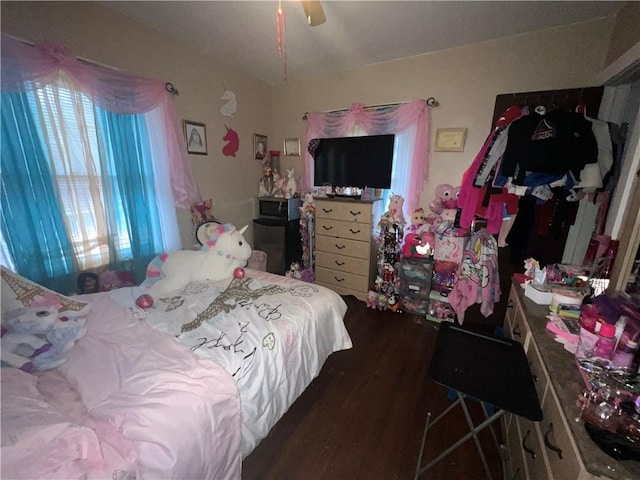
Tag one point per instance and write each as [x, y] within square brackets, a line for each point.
[259, 146]
[450, 139]
[292, 147]
[196, 136]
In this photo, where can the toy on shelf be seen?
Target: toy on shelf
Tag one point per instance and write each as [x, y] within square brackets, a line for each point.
[307, 229]
[387, 284]
[394, 214]
[445, 205]
[291, 186]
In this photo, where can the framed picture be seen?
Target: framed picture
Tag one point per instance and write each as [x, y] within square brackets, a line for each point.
[259, 146]
[450, 139]
[196, 136]
[292, 147]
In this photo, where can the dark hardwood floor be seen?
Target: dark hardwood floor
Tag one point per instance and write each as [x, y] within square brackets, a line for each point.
[363, 416]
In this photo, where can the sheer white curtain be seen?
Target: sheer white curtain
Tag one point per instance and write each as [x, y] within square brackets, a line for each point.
[409, 123]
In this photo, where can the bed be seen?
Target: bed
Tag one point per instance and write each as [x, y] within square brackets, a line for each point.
[184, 389]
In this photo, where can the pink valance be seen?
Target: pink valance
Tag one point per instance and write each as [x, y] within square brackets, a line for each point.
[27, 68]
[394, 119]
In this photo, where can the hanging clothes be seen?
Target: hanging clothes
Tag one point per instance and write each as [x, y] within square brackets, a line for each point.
[556, 142]
[477, 196]
[478, 279]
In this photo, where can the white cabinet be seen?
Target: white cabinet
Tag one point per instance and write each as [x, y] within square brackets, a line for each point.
[558, 447]
[345, 254]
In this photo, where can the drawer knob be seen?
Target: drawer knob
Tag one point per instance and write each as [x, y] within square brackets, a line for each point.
[355, 232]
[355, 213]
[327, 210]
[548, 443]
[530, 451]
[339, 263]
[339, 247]
[516, 331]
[327, 228]
[338, 279]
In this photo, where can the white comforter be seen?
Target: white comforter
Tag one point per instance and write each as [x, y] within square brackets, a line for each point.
[272, 333]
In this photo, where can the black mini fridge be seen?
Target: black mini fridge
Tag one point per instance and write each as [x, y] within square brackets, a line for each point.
[280, 240]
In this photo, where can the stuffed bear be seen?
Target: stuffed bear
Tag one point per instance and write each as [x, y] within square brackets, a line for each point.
[445, 205]
[36, 338]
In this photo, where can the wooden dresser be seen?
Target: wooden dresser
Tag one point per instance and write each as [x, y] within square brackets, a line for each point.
[558, 447]
[345, 251]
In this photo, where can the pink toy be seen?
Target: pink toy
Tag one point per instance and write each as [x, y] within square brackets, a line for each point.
[144, 301]
[393, 215]
[445, 204]
[372, 299]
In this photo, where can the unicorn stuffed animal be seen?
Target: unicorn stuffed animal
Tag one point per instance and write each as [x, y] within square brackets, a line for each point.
[225, 251]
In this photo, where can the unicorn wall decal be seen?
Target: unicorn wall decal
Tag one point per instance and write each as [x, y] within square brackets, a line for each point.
[233, 142]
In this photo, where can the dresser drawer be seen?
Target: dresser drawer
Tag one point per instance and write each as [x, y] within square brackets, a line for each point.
[357, 212]
[342, 246]
[563, 458]
[346, 211]
[516, 458]
[329, 210]
[341, 279]
[531, 446]
[516, 327]
[540, 378]
[338, 228]
[342, 262]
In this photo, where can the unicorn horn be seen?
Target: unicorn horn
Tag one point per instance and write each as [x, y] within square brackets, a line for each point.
[242, 230]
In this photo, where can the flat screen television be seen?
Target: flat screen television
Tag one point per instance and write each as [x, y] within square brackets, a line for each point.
[354, 161]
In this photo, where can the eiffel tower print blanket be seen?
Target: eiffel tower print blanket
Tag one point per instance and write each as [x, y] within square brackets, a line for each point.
[271, 333]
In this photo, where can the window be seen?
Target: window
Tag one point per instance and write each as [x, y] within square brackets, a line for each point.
[96, 174]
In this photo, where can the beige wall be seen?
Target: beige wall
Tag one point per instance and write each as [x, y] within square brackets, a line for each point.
[464, 80]
[94, 32]
[626, 31]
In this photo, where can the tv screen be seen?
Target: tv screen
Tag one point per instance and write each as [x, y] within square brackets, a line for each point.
[354, 161]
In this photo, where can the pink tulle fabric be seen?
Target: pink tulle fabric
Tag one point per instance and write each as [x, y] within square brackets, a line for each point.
[27, 68]
[376, 122]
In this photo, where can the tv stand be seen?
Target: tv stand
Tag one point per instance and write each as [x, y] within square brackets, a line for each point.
[345, 251]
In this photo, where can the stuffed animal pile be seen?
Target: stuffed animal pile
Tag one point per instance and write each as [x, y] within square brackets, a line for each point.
[37, 338]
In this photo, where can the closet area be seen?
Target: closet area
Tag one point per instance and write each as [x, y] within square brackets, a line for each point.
[558, 216]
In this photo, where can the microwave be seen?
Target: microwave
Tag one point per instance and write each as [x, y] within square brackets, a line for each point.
[279, 208]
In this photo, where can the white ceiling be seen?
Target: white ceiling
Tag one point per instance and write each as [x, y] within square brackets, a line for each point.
[356, 33]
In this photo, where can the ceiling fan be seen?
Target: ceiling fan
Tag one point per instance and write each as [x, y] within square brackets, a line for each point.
[314, 12]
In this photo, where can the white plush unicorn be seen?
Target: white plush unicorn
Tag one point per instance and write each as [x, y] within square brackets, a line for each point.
[225, 251]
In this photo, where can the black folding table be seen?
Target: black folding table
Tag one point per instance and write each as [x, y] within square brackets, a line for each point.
[487, 369]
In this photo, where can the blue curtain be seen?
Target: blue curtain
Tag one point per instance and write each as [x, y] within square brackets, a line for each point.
[32, 222]
[129, 189]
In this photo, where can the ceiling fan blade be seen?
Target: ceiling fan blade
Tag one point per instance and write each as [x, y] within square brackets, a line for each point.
[314, 12]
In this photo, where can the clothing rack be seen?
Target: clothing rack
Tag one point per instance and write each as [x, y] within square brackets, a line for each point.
[431, 102]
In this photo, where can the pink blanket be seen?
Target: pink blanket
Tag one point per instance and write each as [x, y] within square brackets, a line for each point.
[129, 400]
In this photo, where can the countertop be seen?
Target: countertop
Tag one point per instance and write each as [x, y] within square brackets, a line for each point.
[568, 385]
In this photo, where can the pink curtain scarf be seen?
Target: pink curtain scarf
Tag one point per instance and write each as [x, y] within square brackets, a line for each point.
[26, 68]
[376, 122]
